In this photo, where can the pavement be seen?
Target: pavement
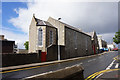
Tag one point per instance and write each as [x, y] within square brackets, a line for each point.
[91, 64]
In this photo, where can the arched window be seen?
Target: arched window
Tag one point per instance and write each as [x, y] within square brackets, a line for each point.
[40, 37]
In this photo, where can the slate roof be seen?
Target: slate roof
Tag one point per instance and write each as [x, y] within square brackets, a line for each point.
[42, 23]
[71, 27]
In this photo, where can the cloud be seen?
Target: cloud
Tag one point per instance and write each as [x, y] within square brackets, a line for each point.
[89, 16]
[23, 21]
[18, 38]
[99, 16]
[108, 37]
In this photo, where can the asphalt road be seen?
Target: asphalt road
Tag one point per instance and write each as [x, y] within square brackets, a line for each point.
[91, 65]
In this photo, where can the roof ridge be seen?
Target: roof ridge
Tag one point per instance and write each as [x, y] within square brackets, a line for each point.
[69, 26]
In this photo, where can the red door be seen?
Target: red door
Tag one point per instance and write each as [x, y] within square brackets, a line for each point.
[94, 49]
[43, 56]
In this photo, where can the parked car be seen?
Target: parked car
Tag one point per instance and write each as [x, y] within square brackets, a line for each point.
[101, 50]
[115, 49]
[105, 49]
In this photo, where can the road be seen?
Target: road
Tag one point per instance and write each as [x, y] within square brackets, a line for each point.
[91, 65]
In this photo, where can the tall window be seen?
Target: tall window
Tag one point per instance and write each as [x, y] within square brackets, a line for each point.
[40, 37]
[51, 37]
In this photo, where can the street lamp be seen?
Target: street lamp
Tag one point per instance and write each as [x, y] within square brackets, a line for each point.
[58, 42]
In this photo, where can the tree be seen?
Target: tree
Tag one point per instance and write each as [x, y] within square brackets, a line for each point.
[116, 39]
[26, 44]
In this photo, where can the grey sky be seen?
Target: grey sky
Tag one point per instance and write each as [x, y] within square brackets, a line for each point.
[99, 16]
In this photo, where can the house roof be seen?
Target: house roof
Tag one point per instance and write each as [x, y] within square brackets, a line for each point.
[71, 27]
[91, 33]
[42, 23]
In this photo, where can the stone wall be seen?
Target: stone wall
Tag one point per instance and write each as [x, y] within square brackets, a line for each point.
[7, 46]
[61, 30]
[32, 36]
[19, 59]
[52, 53]
[54, 34]
[76, 44]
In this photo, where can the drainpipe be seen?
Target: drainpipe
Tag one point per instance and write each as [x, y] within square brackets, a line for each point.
[58, 43]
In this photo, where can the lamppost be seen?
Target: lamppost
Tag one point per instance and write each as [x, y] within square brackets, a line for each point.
[58, 41]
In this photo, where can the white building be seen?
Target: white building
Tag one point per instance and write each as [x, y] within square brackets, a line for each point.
[111, 46]
[102, 43]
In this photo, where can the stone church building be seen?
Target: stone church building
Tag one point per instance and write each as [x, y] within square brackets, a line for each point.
[55, 40]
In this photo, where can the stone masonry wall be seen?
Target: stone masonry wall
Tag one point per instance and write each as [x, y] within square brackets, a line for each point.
[76, 44]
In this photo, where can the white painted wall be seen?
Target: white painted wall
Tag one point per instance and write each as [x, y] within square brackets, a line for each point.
[111, 46]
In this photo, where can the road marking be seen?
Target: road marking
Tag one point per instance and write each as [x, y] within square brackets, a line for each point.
[117, 65]
[100, 57]
[94, 59]
[115, 58]
[29, 68]
[91, 77]
[89, 60]
[37, 75]
[99, 75]
[24, 69]
[102, 72]
[81, 63]
[110, 65]
[43, 65]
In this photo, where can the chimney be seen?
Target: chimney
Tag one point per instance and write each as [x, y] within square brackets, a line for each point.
[1, 37]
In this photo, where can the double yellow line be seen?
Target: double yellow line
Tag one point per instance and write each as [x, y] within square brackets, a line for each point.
[116, 58]
[91, 77]
[22, 69]
[27, 68]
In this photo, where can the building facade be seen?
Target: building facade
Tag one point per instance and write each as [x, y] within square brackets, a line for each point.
[111, 46]
[53, 38]
[94, 39]
[42, 35]
[6, 45]
[102, 43]
[73, 42]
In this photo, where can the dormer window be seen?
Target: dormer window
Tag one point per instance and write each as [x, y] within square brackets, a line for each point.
[40, 37]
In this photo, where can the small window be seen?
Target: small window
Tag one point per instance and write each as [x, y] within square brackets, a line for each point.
[40, 37]
[51, 37]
